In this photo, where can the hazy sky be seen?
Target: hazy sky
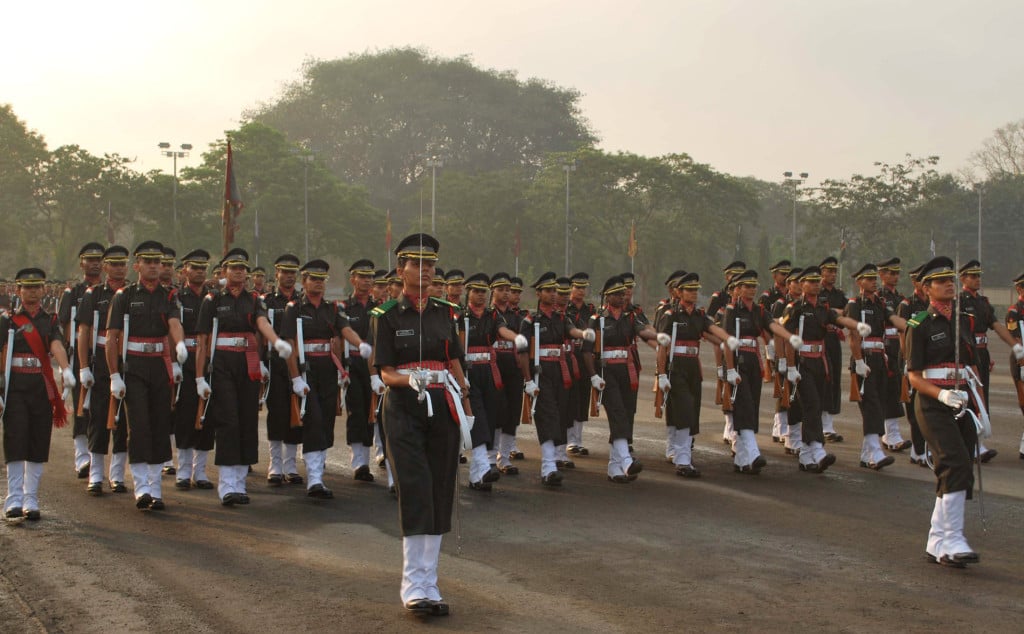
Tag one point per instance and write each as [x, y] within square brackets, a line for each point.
[752, 87]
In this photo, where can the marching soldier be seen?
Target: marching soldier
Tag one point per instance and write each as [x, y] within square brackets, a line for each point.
[318, 382]
[282, 438]
[808, 320]
[509, 397]
[194, 445]
[909, 307]
[788, 417]
[719, 299]
[418, 353]
[379, 292]
[437, 284]
[679, 372]
[514, 297]
[91, 323]
[983, 319]
[32, 403]
[868, 364]
[1013, 324]
[936, 364]
[780, 272]
[454, 283]
[889, 276]
[143, 382]
[835, 299]
[545, 371]
[395, 284]
[259, 280]
[167, 279]
[90, 259]
[562, 461]
[356, 307]
[236, 373]
[578, 312]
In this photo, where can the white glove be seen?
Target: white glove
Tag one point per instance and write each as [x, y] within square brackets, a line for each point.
[1018, 351]
[589, 335]
[597, 382]
[299, 386]
[531, 389]
[264, 372]
[783, 364]
[203, 388]
[732, 343]
[376, 384]
[365, 350]
[863, 329]
[69, 378]
[182, 351]
[418, 381]
[663, 383]
[796, 341]
[664, 339]
[86, 378]
[771, 350]
[522, 343]
[861, 367]
[344, 379]
[733, 377]
[283, 348]
[117, 386]
[176, 372]
[954, 399]
[793, 375]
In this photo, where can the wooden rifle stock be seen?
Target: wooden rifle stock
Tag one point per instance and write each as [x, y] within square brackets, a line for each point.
[718, 392]
[1018, 383]
[854, 388]
[82, 391]
[374, 402]
[785, 398]
[199, 413]
[296, 419]
[594, 393]
[777, 385]
[525, 419]
[766, 370]
[726, 396]
[659, 400]
[905, 389]
[112, 413]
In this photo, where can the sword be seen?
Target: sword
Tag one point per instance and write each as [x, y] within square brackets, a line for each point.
[8, 362]
[177, 392]
[736, 357]
[270, 352]
[300, 342]
[864, 379]
[536, 365]
[600, 361]
[209, 371]
[124, 360]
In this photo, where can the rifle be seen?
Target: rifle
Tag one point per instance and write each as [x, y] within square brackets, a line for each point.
[71, 351]
[8, 362]
[905, 388]
[595, 394]
[208, 373]
[270, 353]
[1018, 383]
[177, 390]
[720, 354]
[114, 406]
[857, 392]
[85, 394]
[728, 391]
[298, 408]
[661, 396]
[529, 403]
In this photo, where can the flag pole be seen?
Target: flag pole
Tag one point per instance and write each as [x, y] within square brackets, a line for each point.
[256, 234]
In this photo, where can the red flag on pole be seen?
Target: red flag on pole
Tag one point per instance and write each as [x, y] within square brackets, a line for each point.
[387, 233]
[631, 250]
[232, 203]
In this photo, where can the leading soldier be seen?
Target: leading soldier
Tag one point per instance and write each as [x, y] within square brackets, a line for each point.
[832, 297]
[358, 428]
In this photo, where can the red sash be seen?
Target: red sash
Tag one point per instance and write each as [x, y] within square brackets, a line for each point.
[35, 343]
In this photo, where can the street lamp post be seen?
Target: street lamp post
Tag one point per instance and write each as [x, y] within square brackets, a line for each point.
[795, 182]
[307, 157]
[568, 167]
[433, 163]
[165, 149]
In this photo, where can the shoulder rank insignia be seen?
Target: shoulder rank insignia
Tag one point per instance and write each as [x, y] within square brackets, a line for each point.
[918, 319]
[383, 308]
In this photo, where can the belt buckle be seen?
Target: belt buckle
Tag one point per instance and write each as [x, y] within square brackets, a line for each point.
[240, 342]
[149, 347]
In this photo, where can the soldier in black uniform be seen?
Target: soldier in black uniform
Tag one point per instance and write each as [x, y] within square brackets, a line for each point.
[578, 312]
[909, 307]
[889, 277]
[91, 326]
[679, 370]
[193, 444]
[379, 292]
[359, 429]
[395, 284]
[32, 403]
[1014, 315]
[834, 298]
[437, 284]
[668, 303]
[153, 326]
[868, 364]
[259, 280]
[323, 324]
[234, 385]
[750, 324]
[719, 299]
[418, 352]
[90, 259]
[167, 278]
[549, 385]
[283, 439]
[454, 284]
[514, 298]
[509, 398]
[936, 364]
[808, 320]
[983, 319]
[789, 419]
[483, 327]
[780, 272]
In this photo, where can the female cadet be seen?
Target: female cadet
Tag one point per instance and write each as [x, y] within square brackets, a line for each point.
[32, 403]
[418, 354]
[236, 373]
[937, 373]
[679, 371]
[319, 381]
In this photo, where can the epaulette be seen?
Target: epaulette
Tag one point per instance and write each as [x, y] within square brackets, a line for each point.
[383, 308]
[445, 302]
[918, 319]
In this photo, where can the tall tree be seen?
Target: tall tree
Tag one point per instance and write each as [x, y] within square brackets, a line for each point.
[1002, 154]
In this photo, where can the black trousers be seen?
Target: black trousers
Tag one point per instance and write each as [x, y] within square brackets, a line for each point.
[682, 410]
[894, 376]
[483, 398]
[616, 401]
[509, 400]
[28, 419]
[233, 412]
[99, 408]
[811, 390]
[552, 404]
[279, 400]
[358, 430]
[147, 410]
[831, 396]
[81, 425]
[321, 404]
[580, 409]
[915, 428]
[424, 456]
[186, 436]
[952, 442]
[871, 404]
[748, 393]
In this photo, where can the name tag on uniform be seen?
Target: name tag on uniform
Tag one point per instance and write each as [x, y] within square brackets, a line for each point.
[223, 309]
[187, 309]
[353, 319]
[939, 336]
[868, 311]
[137, 305]
[405, 333]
